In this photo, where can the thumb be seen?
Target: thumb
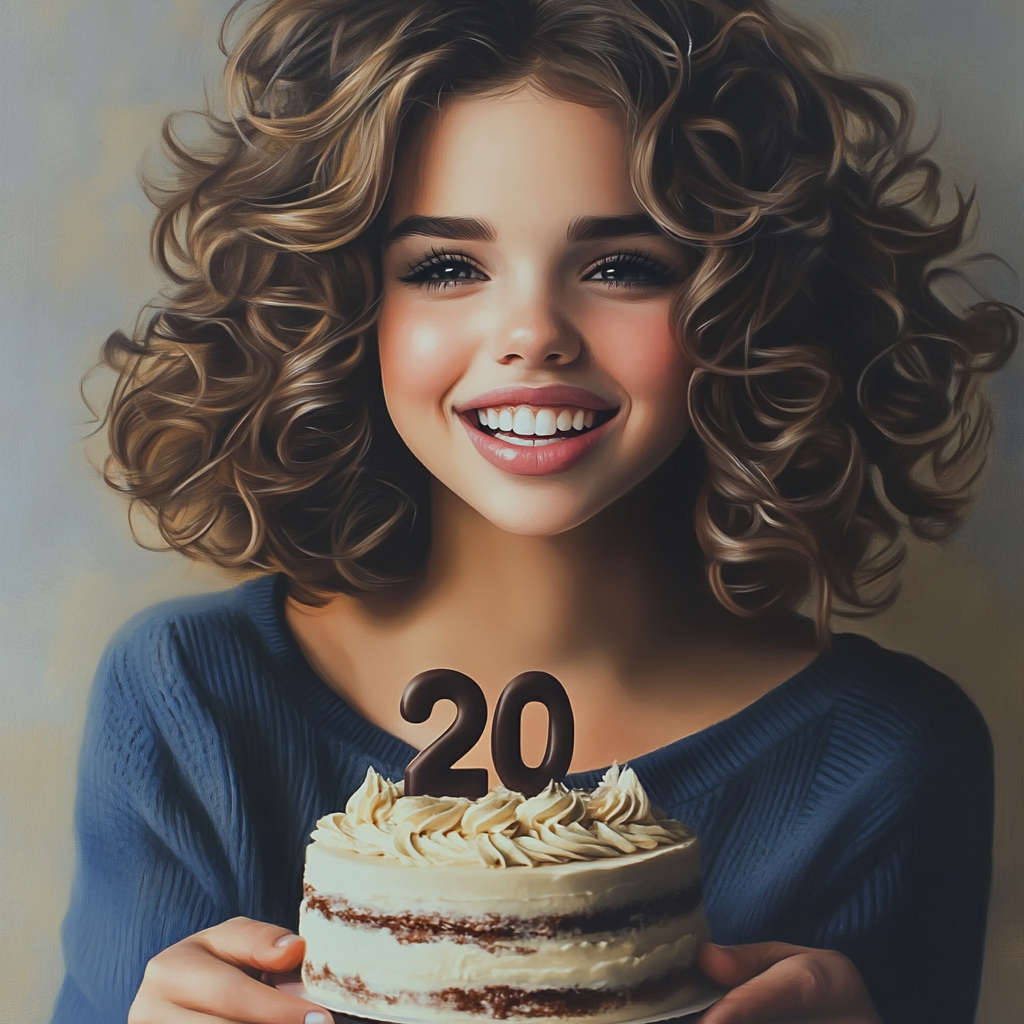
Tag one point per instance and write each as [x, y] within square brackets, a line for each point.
[733, 965]
[287, 953]
[254, 944]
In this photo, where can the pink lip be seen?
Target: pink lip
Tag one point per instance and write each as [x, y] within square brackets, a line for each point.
[529, 460]
[543, 397]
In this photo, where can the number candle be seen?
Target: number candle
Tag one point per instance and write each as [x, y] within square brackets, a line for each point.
[430, 772]
[506, 732]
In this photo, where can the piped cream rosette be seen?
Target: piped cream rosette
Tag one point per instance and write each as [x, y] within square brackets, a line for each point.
[501, 829]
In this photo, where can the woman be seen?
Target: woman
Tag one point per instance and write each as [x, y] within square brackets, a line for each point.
[590, 337]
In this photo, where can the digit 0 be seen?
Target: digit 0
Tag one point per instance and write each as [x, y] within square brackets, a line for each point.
[506, 733]
[430, 772]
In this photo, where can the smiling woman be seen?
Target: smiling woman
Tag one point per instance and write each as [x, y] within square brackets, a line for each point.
[523, 281]
[582, 336]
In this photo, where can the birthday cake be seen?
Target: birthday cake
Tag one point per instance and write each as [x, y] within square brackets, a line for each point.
[572, 905]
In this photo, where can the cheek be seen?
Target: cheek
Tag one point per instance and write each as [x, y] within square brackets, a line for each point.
[420, 359]
[639, 349]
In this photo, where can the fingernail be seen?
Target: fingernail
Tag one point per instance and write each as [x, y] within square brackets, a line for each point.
[286, 940]
[314, 1018]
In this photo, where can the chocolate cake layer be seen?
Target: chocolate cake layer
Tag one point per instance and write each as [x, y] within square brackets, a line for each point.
[502, 1001]
[488, 929]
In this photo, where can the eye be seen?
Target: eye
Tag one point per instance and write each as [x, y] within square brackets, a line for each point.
[443, 270]
[630, 270]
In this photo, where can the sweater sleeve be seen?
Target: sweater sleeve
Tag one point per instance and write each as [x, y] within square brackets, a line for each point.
[924, 875]
[151, 865]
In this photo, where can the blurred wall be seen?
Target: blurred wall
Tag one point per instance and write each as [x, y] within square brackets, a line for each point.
[86, 84]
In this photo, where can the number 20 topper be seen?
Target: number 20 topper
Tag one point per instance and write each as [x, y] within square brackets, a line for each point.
[430, 772]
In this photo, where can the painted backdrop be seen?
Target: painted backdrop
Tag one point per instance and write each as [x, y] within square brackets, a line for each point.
[85, 84]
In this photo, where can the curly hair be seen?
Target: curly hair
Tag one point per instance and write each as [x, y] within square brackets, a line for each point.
[835, 391]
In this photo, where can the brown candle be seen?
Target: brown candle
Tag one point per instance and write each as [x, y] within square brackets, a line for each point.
[430, 772]
[506, 729]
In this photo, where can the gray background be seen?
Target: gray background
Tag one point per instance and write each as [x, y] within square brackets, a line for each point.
[85, 84]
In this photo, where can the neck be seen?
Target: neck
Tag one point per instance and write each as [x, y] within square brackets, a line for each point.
[617, 587]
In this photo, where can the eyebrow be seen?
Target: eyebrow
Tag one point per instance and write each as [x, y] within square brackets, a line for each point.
[466, 228]
[471, 229]
[584, 229]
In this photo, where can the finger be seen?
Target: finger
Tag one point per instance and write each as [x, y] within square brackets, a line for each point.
[253, 944]
[144, 1011]
[179, 1015]
[279, 977]
[818, 985]
[733, 965]
[218, 989]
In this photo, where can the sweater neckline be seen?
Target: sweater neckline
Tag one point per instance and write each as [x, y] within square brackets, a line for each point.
[684, 768]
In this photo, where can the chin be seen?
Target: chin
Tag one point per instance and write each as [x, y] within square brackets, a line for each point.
[539, 525]
[536, 515]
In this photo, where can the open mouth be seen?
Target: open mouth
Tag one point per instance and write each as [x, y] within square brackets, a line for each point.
[534, 427]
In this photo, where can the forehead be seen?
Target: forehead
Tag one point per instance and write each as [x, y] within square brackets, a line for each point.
[484, 151]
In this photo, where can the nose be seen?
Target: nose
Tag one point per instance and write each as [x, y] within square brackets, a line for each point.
[535, 330]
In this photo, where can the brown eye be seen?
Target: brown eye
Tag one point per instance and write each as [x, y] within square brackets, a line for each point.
[443, 270]
[631, 269]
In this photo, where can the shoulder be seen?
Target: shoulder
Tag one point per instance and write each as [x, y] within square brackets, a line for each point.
[202, 642]
[242, 608]
[893, 707]
[244, 614]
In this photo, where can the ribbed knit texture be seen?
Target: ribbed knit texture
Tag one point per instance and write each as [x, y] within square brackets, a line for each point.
[849, 808]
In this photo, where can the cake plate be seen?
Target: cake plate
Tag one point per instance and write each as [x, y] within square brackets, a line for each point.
[701, 1000]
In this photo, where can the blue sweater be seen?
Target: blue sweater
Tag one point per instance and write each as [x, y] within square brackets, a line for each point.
[849, 808]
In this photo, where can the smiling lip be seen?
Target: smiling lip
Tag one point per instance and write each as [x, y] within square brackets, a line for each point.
[539, 460]
[535, 460]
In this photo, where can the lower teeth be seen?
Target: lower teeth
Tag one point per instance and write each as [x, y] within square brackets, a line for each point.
[528, 441]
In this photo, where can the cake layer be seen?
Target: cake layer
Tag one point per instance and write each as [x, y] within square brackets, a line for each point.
[602, 959]
[578, 887]
[505, 1002]
[488, 929]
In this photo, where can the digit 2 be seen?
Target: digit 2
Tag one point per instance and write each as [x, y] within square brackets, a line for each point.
[430, 772]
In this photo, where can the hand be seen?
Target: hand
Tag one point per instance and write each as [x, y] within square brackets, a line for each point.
[778, 984]
[213, 976]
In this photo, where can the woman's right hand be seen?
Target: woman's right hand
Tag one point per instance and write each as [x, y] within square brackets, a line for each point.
[214, 976]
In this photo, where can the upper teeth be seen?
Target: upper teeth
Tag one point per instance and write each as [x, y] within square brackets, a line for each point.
[522, 420]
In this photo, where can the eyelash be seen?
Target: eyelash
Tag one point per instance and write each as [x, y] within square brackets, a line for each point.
[419, 272]
[659, 273]
[636, 260]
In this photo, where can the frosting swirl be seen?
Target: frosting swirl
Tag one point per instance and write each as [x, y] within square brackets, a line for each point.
[503, 828]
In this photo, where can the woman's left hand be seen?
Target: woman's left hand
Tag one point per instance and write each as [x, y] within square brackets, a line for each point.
[776, 983]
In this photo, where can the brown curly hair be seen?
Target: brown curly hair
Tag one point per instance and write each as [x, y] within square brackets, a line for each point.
[834, 393]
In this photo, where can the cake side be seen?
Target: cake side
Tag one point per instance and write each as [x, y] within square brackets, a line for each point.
[586, 939]
[532, 964]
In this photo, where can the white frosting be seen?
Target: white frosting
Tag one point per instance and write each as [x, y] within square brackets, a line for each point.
[387, 885]
[501, 829]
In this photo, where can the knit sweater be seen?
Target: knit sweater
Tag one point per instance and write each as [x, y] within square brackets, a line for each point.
[849, 808]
